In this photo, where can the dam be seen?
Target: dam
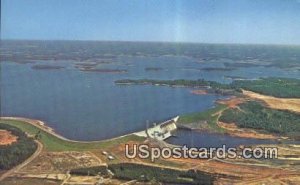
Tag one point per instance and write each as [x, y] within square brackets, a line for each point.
[161, 131]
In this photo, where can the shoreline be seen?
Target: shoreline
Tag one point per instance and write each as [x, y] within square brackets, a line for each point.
[42, 125]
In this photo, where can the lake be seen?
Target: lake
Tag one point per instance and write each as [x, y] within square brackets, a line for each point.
[85, 105]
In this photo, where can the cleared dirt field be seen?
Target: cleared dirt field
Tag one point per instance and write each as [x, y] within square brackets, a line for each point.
[60, 162]
[7, 138]
[118, 152]
[29, 181]
[232, 102]
[291, 104]
[87, 180]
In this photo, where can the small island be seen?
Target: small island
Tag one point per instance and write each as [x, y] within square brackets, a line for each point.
[153, 69]
[90, 69]
[46, 67]
[218, 68]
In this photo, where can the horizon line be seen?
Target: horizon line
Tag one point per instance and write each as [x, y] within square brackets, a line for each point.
[145, 41]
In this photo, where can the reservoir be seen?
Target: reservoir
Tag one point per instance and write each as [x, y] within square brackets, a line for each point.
[86, 105]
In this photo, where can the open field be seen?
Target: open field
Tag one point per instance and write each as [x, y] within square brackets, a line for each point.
[28, 181]
[291, 104]
[232, 102]
[61, 162]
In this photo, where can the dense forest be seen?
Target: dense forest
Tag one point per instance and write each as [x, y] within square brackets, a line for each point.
[157, 174]
[140, 172]
[17, 152]
[254, 115]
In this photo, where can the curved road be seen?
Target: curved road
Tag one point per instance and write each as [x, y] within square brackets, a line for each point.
[18, 167]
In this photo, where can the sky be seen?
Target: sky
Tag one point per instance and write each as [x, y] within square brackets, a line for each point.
[204, 21]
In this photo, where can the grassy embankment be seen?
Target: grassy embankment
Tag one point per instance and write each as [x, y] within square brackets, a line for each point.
[53, 143]
[211, 117]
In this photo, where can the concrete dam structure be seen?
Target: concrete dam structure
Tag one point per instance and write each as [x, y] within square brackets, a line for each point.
[161, 131]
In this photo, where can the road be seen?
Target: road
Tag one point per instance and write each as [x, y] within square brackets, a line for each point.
[18, 167]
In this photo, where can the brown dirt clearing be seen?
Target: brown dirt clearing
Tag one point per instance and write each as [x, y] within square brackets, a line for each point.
[232, 102]
[7, 138]
[291, 104]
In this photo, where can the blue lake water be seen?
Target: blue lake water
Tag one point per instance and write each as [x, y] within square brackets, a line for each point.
[89, 106]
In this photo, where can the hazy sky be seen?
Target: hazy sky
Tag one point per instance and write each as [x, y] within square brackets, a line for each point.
[209, 21]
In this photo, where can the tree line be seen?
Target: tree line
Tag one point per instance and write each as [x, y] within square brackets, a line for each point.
[15, 153]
